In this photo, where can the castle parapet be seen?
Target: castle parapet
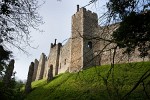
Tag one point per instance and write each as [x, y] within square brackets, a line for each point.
[85, 12]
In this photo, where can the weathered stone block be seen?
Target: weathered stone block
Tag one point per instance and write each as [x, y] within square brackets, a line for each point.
[50, 73]
[29, 78]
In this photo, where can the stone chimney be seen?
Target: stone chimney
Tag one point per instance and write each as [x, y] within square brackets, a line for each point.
[55, 41]
[77, 8]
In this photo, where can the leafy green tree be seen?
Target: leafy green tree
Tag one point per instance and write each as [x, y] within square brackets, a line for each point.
[134, 29]
[12, 92]
[4, 56]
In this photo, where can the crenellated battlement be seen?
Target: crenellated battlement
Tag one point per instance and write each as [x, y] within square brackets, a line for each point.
[85, 12]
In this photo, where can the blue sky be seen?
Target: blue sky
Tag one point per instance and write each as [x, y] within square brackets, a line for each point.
[57, 18]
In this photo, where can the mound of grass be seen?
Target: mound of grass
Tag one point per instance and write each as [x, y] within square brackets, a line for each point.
[96, 83]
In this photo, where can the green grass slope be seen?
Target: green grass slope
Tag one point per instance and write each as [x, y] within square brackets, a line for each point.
[96, 83]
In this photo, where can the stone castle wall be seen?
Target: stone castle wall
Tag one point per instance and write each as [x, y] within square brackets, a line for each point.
[65, 57]
[105, 48]
[76, 41]
[84, 24]
[46, 69]
[90, 20]
[41, 67]
[53, 58]
[88, 45]
[36, 63]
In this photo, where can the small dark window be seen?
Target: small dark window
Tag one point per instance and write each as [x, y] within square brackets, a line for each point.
[90, 45]
[65, 62]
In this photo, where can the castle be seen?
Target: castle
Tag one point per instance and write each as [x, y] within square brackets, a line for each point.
[86, 47]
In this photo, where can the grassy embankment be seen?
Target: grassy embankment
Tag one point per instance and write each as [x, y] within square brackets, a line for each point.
[95, 83]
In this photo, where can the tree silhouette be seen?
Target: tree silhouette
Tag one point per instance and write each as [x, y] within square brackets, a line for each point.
[134, 29]
[16, 18]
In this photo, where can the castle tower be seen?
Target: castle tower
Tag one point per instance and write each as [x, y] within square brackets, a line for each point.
[41, 67]
[84, 24]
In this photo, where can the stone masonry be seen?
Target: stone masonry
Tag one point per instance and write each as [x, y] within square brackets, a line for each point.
[87, 46]
[41, 67]
[29, 78]
[36, 63]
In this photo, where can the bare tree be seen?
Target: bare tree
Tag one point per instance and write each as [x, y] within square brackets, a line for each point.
[17, 17]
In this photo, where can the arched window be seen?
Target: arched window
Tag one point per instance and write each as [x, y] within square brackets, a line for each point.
[51, 67]
[65, 62]
[90, 44]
